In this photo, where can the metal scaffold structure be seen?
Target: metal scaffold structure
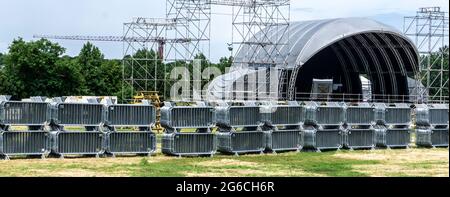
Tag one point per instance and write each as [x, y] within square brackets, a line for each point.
[143, 52]
[429, 29]
[260, 30]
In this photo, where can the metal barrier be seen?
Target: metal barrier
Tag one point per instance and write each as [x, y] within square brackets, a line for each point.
[432, 125]
[78, 143]
[428, 137]
[393, 137]
[398, 114]
[363, 138]
[32, 114]
[283, 115]
[78, 114]
[139, 115]
[179, 117]
[238, 116]
[241, 142]
[439, 114]
[439, 137]
[283, 140]
[325, 114]
[189, 144]
[360, 114]
[24, 143]
[130, 142]
[322, 139]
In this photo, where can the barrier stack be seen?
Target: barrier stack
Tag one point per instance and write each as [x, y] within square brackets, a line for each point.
[359, 122]
[432, 125]
[393, 125]
[34, 115]
[199, 118]
[323, 128]
[90, 115]
[142, 116]
[282, 126]
[240, 129]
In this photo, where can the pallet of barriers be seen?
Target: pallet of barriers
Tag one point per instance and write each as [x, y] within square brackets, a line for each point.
[188, 129]
[432, 125]
[33, 114]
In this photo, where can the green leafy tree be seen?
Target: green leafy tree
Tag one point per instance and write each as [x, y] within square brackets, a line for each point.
[90, 61]
[32, 69]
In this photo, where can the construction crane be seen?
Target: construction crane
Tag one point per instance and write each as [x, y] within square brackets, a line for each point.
[160, 40]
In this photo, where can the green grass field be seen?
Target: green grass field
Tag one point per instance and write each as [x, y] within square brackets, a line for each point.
[377, 163]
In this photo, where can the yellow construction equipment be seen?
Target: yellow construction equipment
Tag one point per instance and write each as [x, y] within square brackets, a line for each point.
[154, 97]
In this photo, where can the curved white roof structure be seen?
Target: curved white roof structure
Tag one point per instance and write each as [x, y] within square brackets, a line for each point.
[340, 49]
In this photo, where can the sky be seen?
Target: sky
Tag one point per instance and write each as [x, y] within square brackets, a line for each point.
[24, 18]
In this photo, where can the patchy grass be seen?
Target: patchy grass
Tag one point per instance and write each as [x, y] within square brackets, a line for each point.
[411, 162]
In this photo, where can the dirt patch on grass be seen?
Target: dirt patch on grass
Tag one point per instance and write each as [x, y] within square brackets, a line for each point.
[411, 162]
[227, 162]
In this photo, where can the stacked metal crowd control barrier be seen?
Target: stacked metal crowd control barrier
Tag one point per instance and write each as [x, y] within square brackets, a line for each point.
[432, 125]
[89, 115]
[177, 142]
[359, 131]
[34, 114]
[282, 126]
[393, 125]
[240, 129]
[142, 116]
[323, 127]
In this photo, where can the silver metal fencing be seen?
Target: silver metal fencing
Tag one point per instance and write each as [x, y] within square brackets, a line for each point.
[283, 140]
[24, 113]
[438, 114]
[325, 114]
[238, 116]
[78, 143]
[323, 139]
[360, 114]
[189, 144]
[24, 143]
[423, 137]
[130, 115]
[398, 114]
[393, 137]
[134, 142]
[284, 115]
[360, 138]
[179, 117]
[241, 142]
[75, 114]
[439, 137]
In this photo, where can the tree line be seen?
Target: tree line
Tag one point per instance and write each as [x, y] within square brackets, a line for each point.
[41, 68]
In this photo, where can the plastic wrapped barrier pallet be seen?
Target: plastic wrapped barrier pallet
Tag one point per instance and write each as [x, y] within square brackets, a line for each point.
[282, 126]
[393, 125]
[34, 114]
[90, 142]
[142, 116]
[200, 118]
[240, 129]
[323, 127]
[241, 142]
[432, 125]
[359, 121]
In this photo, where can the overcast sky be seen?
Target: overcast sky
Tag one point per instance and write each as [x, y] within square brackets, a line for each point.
[24, 18]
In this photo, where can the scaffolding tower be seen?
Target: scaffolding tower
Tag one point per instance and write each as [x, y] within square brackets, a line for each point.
[143, 54]
[429, 30]
[260, 32]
